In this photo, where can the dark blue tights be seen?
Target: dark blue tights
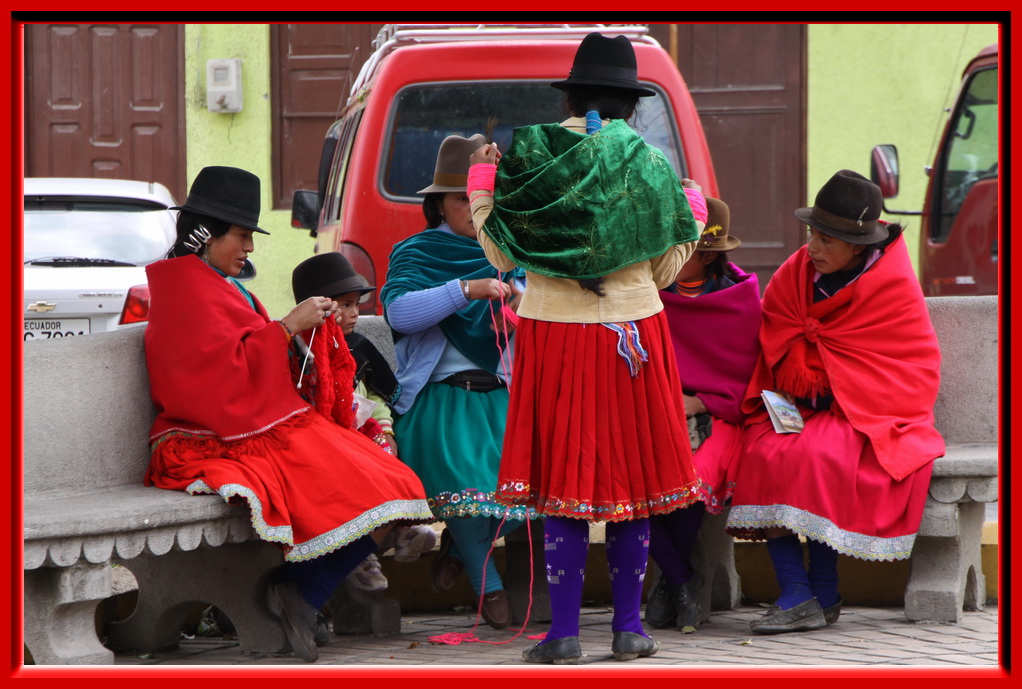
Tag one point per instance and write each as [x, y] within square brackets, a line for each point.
[316, 579]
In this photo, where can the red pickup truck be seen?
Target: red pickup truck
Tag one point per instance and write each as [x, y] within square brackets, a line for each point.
[960, 224]
[425, 82]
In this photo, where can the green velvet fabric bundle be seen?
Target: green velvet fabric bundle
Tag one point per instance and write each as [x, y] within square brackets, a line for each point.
[581, 206]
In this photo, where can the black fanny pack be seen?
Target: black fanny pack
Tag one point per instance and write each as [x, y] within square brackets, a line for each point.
[475, 381]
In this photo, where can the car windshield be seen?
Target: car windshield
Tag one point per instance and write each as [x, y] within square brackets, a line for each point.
[425, 114]
[118, 231]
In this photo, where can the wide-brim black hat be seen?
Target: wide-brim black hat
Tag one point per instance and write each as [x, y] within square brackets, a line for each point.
[847, 207]
[602, 61]
[326, 275]
[229, 194]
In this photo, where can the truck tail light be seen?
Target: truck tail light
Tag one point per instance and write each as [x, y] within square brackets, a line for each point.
[363, 265]
[136, 305]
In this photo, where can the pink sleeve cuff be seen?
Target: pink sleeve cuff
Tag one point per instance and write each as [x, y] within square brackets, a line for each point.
[481, 176]
[697, 202]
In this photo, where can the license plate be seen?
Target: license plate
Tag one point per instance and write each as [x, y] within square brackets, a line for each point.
[50, 328]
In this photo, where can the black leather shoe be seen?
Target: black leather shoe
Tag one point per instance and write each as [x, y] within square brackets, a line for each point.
[661, 611]
[801, 618]
[298, 619]
[629, 646]
[321, 634]
[496, 609]
[563, 651]
[832, 613]
[686, 602]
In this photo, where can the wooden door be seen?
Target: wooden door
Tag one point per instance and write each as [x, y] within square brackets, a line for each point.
[748, 82]
[105, 100]
[313, 67]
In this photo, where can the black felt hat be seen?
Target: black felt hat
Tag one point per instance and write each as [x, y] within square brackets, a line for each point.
[847, 207]
[326, 275]
[602, 61]
[225, 193]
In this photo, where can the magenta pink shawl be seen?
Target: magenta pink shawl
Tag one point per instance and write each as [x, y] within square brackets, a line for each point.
[716, 342]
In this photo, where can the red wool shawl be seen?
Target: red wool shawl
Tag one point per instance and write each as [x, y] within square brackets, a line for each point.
[216, 366]
[876, 345]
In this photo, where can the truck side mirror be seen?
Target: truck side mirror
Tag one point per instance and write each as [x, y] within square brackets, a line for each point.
[883, 169]
[305, 210]
[248, 271]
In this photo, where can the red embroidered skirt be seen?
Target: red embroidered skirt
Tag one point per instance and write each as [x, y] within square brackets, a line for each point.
[586, 439]
[311, 485]
[716, 462]
[826, 484]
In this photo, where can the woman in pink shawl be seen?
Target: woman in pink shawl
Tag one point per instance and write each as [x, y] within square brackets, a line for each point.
[713, 311]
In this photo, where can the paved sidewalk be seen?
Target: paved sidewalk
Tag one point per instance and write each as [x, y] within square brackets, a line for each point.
[862, 637]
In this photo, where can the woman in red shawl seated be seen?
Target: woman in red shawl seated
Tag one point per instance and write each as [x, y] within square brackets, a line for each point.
[714, 314]
[846, 335]
[230, 422]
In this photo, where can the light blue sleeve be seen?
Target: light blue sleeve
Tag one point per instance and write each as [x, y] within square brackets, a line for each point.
[413, 312]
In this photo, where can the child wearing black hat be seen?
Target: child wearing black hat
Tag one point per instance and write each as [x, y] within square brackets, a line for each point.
[375, 386]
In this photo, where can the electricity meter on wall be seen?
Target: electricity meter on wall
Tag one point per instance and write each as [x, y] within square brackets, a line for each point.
[223, 85]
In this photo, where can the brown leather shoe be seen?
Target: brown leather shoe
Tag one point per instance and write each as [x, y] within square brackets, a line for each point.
[444, 570]
[497, 609]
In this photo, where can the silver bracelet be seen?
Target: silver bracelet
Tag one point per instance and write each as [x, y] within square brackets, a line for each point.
[464, 288]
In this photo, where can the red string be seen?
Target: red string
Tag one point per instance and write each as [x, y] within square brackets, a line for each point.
[456, 638]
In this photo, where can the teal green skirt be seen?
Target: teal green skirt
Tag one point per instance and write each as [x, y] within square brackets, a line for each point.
[452, 439]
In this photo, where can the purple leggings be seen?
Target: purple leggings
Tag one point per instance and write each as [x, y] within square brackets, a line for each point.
[566, 544]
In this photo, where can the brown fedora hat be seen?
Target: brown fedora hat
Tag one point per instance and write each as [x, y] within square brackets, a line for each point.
[451, 172]
[847, 207]
[715, 235]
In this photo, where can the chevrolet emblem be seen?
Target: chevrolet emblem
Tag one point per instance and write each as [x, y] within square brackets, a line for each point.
[41, 307]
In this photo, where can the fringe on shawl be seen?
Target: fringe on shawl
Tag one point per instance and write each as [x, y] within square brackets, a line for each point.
[802, 374]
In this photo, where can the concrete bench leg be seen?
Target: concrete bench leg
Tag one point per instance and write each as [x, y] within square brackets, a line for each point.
[234, 577]
[518, 555]
[354, 611]
[946, 572]
[60, 614]
[715, 555]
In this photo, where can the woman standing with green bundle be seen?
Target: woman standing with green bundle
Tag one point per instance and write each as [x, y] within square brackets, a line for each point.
[596, 427]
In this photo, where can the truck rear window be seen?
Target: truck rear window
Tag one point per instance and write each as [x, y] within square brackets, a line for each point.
[425, 114]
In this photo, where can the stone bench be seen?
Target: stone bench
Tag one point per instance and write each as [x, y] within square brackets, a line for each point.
[946, 574]
[87, 415]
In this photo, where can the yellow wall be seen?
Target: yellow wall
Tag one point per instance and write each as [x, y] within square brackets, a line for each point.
[872, 84]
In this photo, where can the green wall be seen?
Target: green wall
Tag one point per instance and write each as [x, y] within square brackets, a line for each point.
[874, 84]
[867, 84]
[243, 140]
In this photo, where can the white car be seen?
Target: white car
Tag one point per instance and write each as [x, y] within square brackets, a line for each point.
[86, 245]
